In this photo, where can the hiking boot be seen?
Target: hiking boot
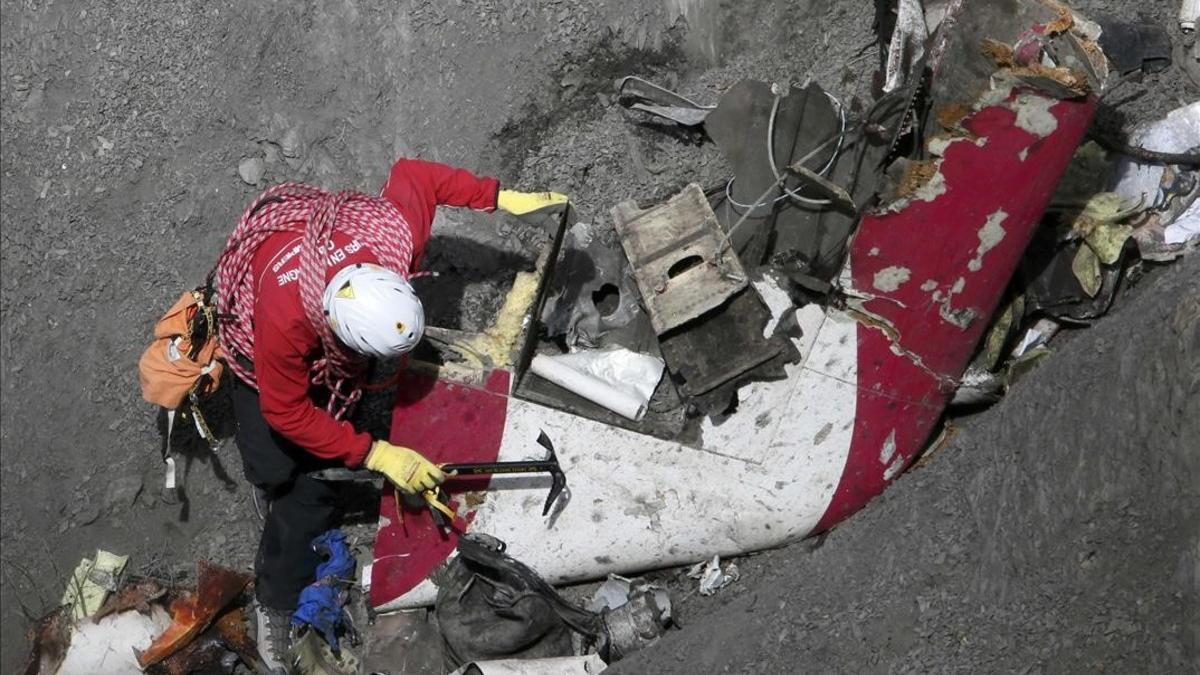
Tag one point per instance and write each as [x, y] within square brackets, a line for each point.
[274, 637]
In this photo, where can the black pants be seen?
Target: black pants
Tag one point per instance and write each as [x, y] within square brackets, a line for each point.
[301, 507]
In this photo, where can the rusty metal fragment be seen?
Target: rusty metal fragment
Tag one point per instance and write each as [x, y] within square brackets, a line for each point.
[219, 642]
[216, 587]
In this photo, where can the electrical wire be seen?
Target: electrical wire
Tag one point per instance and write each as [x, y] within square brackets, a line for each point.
[789, 193]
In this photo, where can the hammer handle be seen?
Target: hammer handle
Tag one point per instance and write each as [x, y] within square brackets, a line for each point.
[487, 469]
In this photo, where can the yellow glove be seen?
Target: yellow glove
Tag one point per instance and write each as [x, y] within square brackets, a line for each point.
[526, 203]
[405, 467]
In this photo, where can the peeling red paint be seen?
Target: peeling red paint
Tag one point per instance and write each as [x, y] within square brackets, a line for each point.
[940, 242]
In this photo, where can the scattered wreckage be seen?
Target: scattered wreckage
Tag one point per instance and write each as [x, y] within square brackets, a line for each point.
[814, 316]
[736, 368]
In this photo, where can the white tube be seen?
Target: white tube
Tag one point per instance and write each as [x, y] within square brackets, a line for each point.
[589, 387]
[1189, 14]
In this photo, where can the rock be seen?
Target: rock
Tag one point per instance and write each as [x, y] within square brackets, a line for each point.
[87, 515]
[122, 492]
[291, 143]
[251, 170]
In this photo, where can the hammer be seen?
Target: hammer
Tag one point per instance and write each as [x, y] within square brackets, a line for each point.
[550, 465]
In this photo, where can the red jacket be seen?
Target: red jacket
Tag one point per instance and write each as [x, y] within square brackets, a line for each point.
[285, 345]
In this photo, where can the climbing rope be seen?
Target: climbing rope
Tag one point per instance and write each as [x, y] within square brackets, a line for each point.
[316, 214]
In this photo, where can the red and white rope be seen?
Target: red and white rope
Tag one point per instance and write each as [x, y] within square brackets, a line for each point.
[316, 214]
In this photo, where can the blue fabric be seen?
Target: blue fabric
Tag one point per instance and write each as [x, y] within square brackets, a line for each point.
[320, 604]
[340, 563]
[321, 607]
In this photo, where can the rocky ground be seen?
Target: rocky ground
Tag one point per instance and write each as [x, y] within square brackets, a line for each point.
[134, 133]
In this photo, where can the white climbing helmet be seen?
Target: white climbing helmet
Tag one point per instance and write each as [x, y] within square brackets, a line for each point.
[374, 311]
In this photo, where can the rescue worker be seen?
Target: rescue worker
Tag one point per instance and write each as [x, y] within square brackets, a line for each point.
[313, 284]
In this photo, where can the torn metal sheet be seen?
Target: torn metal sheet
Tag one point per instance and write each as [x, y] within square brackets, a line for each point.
[593, 303]
[638, 94]
[678, 257]
[907, 45]
[593, 300]
[755, 122]
[701, 359]
[989, 183]
[712, 577]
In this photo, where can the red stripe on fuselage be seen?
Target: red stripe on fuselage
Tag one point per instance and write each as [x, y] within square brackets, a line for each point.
[447, 422]
[932, 244]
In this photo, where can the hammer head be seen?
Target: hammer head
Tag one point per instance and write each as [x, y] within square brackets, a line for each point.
[557, 477]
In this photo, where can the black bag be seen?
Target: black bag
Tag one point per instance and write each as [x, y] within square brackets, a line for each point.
[489, 606]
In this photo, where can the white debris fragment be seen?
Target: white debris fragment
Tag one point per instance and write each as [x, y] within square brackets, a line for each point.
[613, 593]
[712, 577]
[1177, 132]
[1035, 336]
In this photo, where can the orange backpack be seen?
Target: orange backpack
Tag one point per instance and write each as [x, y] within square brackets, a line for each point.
[183, 364]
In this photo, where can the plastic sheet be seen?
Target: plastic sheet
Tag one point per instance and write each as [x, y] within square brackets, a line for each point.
[618, 379]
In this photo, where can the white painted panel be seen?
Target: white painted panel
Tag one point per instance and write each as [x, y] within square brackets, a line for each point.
[639, 502]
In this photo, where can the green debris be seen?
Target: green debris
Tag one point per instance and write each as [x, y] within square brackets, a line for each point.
[92, 581]
[1100, 226]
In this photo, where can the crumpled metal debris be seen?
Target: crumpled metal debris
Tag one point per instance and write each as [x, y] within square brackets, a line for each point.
[638, 94]
[712, 577]
[137, 594]
[636, 622]
[1171, 224]
[221, 644]
[907, 46]
[593, 300]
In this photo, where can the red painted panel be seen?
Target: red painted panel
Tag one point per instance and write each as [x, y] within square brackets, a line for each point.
[447, 422]
[937, 243]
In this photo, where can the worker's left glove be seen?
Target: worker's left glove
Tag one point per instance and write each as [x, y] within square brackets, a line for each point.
[530, 203]
[407, 468]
